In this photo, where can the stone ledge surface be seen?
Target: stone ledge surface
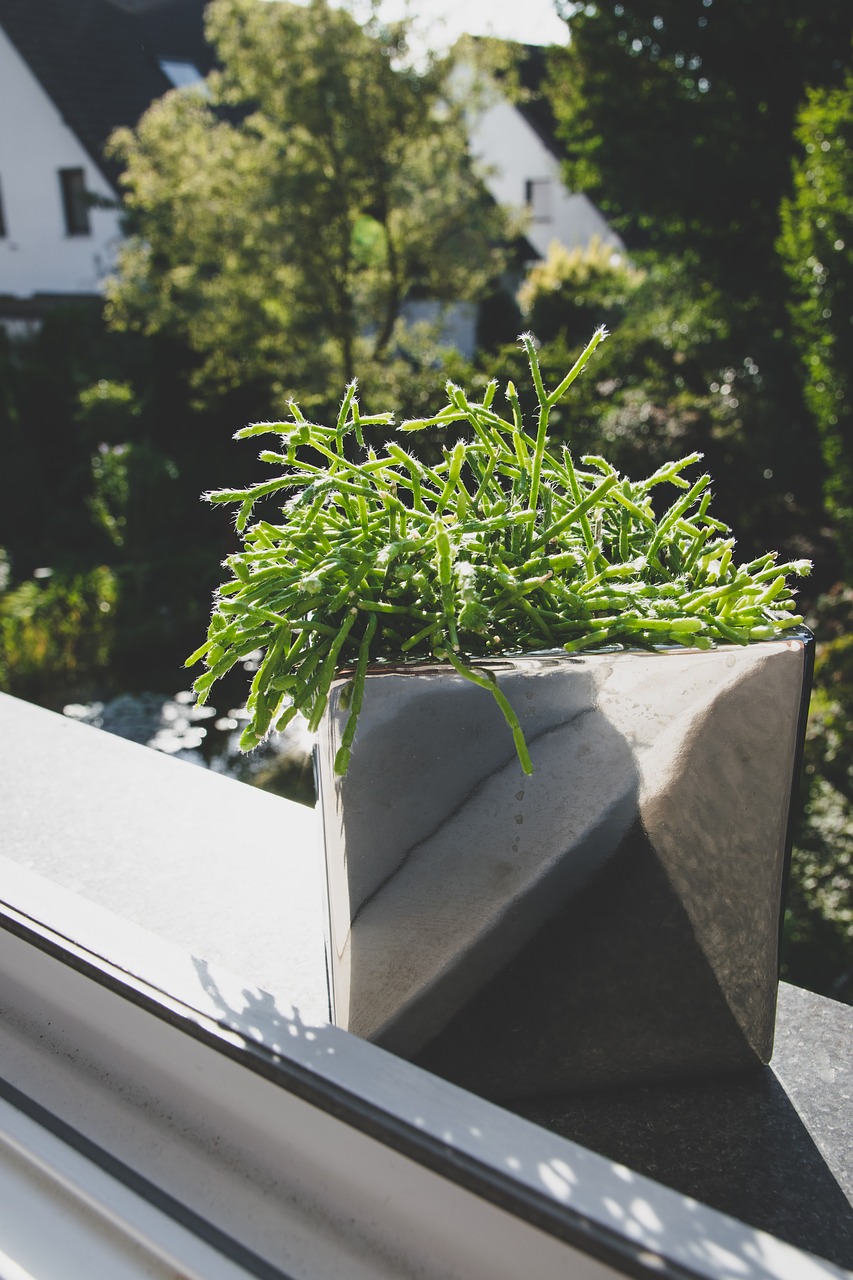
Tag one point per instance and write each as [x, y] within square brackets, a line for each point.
[773, 1147]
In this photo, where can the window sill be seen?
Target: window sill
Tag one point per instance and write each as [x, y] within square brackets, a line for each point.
[134, 889]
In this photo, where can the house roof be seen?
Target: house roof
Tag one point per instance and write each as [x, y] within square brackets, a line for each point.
[98, 59]
[528, 71]
[534, 106]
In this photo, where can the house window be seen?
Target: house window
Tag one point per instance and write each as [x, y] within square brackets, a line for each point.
[2, 216]
[180, 72]
[75, 202]
[537, 197]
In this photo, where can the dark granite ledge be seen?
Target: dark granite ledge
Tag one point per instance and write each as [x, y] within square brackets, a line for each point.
[772, 1147]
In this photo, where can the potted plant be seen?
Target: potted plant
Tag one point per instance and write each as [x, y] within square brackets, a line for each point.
[558, 727]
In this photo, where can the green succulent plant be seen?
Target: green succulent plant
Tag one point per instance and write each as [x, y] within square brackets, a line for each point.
[506, 545]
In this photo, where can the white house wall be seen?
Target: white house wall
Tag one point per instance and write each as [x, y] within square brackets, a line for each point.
[514, 155]
[36, 253]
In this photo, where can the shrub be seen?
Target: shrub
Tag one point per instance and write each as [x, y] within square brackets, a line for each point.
[56, 629]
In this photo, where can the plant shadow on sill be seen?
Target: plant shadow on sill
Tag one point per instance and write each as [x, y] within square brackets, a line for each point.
[627, 982]
[733, 1140]
[735, 1143]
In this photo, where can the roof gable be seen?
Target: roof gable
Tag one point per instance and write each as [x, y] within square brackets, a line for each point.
[522, 79]
[98, 59]
[532, 71]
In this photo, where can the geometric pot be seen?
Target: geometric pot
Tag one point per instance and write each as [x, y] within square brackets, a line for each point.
[613, 917]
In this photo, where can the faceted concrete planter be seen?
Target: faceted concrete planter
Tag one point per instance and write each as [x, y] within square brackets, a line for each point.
[613, 917]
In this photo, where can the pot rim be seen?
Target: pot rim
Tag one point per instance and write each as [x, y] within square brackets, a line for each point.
[507, 660]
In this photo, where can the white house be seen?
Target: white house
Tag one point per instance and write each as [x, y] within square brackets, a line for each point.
[522, 171]
[52, 240]
[71, 71]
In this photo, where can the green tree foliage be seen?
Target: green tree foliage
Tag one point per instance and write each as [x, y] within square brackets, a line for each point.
[677, 377]
[678, 119]
[572, 291]
[105, 458]
[55, 630]
[283, 217]
[819, 920]
[43, 460]
[817, 246]
[678, 115]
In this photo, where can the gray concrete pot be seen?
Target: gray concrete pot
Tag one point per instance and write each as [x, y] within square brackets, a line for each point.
[612, 918]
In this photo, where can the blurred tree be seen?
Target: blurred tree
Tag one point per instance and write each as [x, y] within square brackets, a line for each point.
[678, 116]
[105, 459]
[283, 216]
[678, 119]
[45, 462]
[572, 291]
[818, 951]
[676, 376]
[56, 630]
[817, 246]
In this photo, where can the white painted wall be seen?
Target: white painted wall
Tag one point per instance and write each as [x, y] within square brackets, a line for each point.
[36, 254]
[458, 321]
[513, 154]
